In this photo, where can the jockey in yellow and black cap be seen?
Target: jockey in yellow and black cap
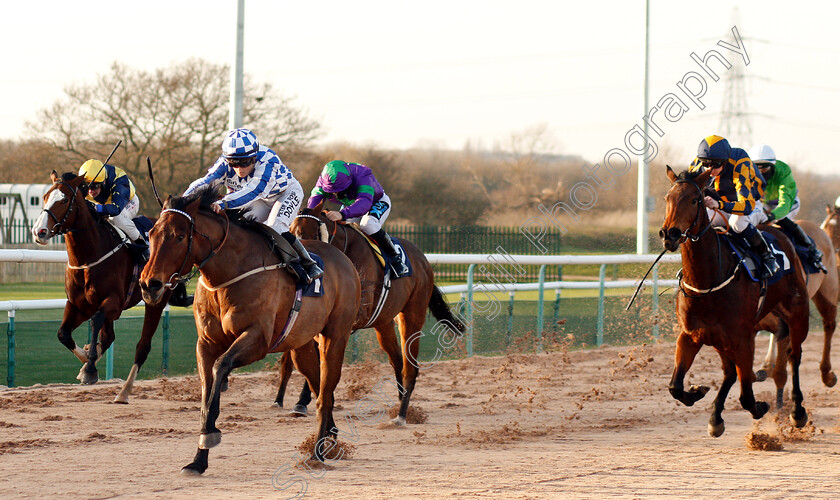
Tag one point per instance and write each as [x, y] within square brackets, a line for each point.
[739, 187]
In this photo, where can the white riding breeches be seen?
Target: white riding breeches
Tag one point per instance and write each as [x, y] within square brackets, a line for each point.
[123, 219]
[278, 211]
[372, 221]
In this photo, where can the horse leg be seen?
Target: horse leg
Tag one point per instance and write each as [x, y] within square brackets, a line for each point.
[744, 365]
[387, 337]
[769, 363]
[151, 319]
[780, 372]
[206, 354]
[307, 360]
[828, 311]
[285, 373]
[246, 349]
[798, 333]
[73, 317]
[332, 357]
[299, 410]
[88, 373]
[730, 375]
[684, 355]
[410, 322]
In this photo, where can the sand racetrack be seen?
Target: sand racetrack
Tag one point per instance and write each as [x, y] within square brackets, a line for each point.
[585, 424]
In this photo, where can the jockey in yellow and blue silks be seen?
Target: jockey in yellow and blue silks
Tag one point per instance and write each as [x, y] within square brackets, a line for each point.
[259, 183]
[740, 188]
[781, 199]
[363, 200]
[113, 196]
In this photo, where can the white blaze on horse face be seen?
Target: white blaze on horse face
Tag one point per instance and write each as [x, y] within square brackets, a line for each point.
[40, 230]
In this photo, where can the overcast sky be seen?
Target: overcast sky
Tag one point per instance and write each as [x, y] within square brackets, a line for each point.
[404, 74]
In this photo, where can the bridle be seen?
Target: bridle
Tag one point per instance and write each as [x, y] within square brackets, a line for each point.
[54, 231]
[177, 277]
[700, 206]
[323, 233]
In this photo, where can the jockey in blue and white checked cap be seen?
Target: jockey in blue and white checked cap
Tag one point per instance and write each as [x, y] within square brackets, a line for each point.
[258, 182]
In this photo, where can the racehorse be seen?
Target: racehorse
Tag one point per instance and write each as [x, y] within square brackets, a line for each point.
[246, 306]
[831, 226]
[823, 289]
[718, 305]
[100, 279]
[407, 299]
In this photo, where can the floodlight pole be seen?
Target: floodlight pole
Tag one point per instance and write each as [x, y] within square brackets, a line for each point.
[642, 195]
[236, 69]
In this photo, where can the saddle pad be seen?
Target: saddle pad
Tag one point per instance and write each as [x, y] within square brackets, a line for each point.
[384, 260]
[752, 261]
[314, 289]
[802, 252]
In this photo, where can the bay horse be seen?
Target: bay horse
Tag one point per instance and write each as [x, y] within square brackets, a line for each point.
[823, 289]
[831, 226]
[246, 306]
[718, 305]
[100, 280]
[407, 300]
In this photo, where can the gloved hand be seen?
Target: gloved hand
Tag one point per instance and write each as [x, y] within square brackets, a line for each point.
[99, 208]
[218, 206]
[770, 217]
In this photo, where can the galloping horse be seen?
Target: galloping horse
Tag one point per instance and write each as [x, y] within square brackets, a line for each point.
[823, 289]
[100, 279]
[246, 306]
[718, 305]
[407, 299]
[831, 226]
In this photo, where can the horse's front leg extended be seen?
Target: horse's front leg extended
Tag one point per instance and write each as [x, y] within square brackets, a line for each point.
[687, 349]
[88, 373]
[73, 317]
[744, 364]
[730, 375]
[151, 318]
[206, 355]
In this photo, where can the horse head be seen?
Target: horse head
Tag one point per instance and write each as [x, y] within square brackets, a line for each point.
[684, 209]
[178, 241]
[311, 224]
[63, 204]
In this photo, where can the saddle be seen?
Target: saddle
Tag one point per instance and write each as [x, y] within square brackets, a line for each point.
[751, 261]
[384, 259]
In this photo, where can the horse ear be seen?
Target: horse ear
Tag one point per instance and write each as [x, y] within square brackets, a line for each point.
[670, 173]
[54, 176]
[318, 208]
[167, 202]
[828, 209]
[703, 178]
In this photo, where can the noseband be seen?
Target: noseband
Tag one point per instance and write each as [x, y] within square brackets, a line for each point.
[177, 277]
[54, 230]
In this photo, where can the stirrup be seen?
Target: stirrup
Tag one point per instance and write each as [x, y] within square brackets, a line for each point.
[399, 268]
[313, 272]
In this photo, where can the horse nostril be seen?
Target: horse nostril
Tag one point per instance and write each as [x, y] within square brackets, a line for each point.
[674, 233]
[662, 233]
[153, 285]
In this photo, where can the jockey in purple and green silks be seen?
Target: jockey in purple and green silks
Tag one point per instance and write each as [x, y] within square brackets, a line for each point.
[363, 201]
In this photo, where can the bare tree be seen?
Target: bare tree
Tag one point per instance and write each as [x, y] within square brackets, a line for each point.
[177, 116]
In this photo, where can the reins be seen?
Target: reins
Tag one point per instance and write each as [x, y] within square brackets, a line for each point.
[177, 277]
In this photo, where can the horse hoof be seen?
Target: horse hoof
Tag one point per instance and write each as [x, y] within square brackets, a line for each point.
[716, 430]
[121, 401]
[800, 421]
[298, 411]
[760, 409]
[90, 378]
[829, 379]
[191, 470]
[207, 441]
[761, 375]
[399, 421]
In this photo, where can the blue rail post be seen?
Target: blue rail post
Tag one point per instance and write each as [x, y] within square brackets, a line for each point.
[601, 279]
[540, 309]
[470, 272]
[10, 366]
[109, 361]
[557, 293]
[655, 329]
[164, 364]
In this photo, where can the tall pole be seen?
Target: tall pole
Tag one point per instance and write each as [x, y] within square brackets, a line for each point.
[236, 69]
[642, 195]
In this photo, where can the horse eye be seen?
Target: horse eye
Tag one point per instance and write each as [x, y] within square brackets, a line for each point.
[181, 237]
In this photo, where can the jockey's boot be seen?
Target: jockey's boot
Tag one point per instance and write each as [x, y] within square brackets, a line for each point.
[386, 245]
[802, 239]
[769, 266]
[142, 249]
[179, 297]
[313, 272]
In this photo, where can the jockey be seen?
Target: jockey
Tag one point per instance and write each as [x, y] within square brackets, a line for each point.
[113, 196]
[258, 181]
[781, 199]
[740, 188]
[363, 200]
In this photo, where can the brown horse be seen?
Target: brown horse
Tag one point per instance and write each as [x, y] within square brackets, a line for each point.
[831, 226]
[719, 306]
[246, 306]
[823, 289]
[100, 280]
[407, 299]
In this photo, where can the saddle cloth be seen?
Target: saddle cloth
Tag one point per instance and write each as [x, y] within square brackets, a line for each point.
[752, 261]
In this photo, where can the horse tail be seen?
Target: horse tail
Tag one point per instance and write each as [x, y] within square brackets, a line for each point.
[440, 310]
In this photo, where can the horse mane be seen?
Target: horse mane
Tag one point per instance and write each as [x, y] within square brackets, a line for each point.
[68, 176]
[206, 195]
[688, 175]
